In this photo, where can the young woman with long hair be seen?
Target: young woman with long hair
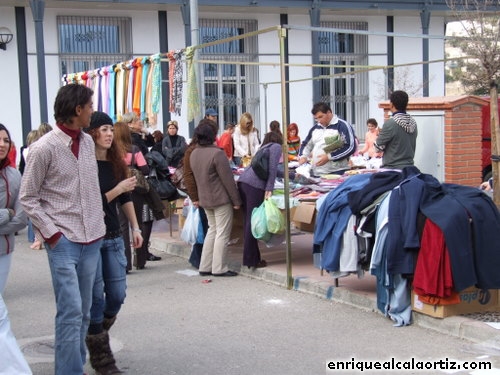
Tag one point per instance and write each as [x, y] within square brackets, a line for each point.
[110, 282]
[132, 155]
[245, 138]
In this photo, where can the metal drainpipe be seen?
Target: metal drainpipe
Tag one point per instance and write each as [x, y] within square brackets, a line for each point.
[314, 14]
[425, 17]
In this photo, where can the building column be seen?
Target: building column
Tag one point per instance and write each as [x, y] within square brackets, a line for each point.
[425, 18]
[314, 14]
[165, 91]
[38, 8]
[22, 55]
[390, 56]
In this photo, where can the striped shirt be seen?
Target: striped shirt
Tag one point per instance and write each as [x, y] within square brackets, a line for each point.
[61, 193]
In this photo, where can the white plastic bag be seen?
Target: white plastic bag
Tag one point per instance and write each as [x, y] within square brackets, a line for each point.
[189, 232]
[304, 170]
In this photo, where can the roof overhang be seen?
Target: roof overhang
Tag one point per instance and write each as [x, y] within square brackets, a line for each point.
[326, 7]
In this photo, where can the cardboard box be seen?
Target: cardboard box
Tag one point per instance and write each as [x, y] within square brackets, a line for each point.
[472, 300]
[237, 229]
[305, 216]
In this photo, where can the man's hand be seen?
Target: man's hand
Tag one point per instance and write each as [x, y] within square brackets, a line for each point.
[321, 160]
[302, 160]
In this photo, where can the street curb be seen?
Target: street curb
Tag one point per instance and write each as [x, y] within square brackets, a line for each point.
[457, 326]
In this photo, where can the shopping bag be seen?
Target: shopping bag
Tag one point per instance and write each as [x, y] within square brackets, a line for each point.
[258, 223]
[276, 240]
[275, 220]
[190, 230]
[200, 234]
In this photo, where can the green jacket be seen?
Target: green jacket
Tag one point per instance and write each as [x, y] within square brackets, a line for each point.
[397, 140]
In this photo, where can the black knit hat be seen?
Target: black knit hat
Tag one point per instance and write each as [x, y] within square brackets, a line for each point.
[99, 119]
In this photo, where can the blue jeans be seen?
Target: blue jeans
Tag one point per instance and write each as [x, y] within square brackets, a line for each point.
[31, 232]
[110, 281]
[73, 268]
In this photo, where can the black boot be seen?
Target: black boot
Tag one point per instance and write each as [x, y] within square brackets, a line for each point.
[108, 322]
[101, 356]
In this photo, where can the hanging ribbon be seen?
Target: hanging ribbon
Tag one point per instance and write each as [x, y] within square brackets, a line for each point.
[156, 83]
[175, 79]
[145, 72]
[136, 102]
[192, 88]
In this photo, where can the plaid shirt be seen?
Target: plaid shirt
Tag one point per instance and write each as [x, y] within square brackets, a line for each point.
[61, 193]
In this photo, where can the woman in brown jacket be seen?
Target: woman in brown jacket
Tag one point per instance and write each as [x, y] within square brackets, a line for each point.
[218, 195]
[192, 191]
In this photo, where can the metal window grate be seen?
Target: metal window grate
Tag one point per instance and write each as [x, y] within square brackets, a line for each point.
[87, 43]
[346, 92]
[230, 89]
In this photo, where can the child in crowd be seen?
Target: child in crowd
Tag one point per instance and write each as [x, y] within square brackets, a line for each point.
[293, 142]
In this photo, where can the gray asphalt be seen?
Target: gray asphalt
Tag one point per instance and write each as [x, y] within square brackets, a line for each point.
[174, 323]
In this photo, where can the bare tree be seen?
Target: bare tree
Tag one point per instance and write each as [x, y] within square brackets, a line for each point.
[481, 42]
[404, 79]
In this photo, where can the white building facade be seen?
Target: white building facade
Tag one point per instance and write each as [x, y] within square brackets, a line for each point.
[354, 71]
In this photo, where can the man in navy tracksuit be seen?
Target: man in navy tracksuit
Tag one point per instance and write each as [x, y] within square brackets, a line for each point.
[328, 127]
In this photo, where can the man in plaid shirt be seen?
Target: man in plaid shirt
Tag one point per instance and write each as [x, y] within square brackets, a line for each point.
[60, 193]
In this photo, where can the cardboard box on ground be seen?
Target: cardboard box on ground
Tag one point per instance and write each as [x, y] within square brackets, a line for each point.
[304, 216]
[472, 300]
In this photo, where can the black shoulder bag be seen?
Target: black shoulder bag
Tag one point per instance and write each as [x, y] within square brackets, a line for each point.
[260, 163]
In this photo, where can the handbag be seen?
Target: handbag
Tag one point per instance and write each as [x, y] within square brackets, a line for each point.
[260, 163]
[142, 186]
[165, 189]
[247, 159]
[178, 178]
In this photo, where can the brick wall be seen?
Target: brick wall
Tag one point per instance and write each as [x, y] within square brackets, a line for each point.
[461, 134]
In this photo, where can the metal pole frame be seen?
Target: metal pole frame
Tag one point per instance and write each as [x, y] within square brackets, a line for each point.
[282, 35]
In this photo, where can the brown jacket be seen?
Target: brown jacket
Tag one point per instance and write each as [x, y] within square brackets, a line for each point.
[214, 178]
[189, 181]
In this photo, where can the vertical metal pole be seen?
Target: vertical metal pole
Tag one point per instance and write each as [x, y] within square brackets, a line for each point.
[284, 21]
[37, 8]
[282, 34]
[390, 56]
[265, 103]
[495, 142]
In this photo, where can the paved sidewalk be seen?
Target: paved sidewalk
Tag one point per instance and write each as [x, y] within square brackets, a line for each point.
[360, 293]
